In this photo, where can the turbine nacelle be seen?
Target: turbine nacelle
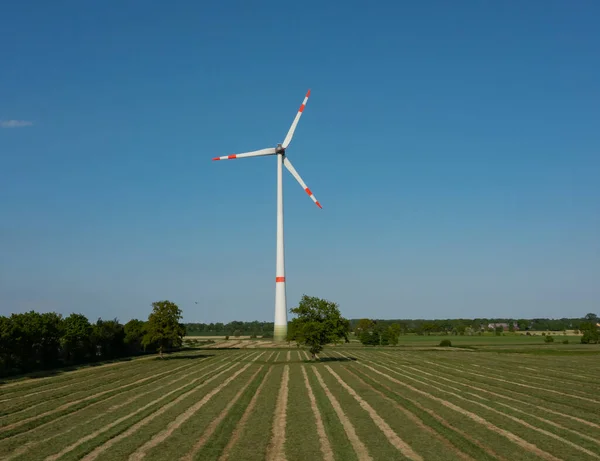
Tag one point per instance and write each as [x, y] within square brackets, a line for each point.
[279, 149]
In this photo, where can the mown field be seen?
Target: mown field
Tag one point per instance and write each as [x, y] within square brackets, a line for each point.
[273, 404]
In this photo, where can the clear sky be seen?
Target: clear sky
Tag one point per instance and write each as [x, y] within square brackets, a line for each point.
[454, 147]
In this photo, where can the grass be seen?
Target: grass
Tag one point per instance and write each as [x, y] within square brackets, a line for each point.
[491, 398]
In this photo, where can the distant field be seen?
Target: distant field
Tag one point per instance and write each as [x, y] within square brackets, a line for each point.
[488, 339]
[412, 339]
[356, 404]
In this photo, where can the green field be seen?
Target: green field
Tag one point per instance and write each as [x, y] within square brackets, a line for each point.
[533, 401]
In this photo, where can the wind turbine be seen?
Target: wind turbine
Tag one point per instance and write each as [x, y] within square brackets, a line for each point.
[280, 298]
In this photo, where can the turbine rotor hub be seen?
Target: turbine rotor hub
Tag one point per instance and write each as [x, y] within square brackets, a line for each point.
[279, 149]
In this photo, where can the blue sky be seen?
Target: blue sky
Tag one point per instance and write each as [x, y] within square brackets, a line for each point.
[453, 145]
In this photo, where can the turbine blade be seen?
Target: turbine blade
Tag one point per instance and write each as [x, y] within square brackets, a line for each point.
[256, 153]
[295, 174]
[290, 134]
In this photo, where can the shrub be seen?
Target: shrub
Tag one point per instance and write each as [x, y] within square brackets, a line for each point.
[549, 339]
[369, 338]
[227, 337]
[565, 341]
[590, 337]
[253, 336]
[237, 333]
[445, 343]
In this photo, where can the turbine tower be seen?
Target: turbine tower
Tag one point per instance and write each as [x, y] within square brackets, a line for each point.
[280, 332]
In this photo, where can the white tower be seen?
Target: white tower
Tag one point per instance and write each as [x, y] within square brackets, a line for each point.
[280, 330]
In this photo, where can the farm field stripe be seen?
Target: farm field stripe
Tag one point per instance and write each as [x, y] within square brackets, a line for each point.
[71, 373]
[288, 357]
[47, 399]
[102, 448]
[49, 387]
[85, 399]
[574, 385]
[275, 451]
[571, 373]
[66, 378]
[559, 378]
[242, 422]
[513, 418]
[28, 446]
[138, 410]
[517, 420]
[269, 357]
[519, 384]
[552, 423]
[306, 355]
[277, 357]
[522, 392]
[443, 422]
[525, 395]
[550, 374]
[359, 448]
[415, 420]
[323, 439]
[87, 407]
[383, 426]
[215, 423]
[509, 435]
[182, 418]
[299, 355]
[18, 398]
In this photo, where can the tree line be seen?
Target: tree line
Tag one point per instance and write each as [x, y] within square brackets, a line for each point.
[33, 341]
[406, 326]
[387, 332]
[235, 328]
[463, 326]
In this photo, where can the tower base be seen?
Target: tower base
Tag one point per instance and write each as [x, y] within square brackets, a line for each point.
[280, 333]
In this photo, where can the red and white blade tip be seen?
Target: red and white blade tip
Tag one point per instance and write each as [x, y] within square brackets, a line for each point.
[312, 196]
[226, 157]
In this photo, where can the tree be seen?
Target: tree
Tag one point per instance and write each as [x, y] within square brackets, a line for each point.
[364, 325]
[318, 322]
[591, 333]
[108, 338]
[370, 338]
[591, 317]
[523, 324]
[394, 331]
[76, 338]
[134, 335]
[34, 339]
[163, 327]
